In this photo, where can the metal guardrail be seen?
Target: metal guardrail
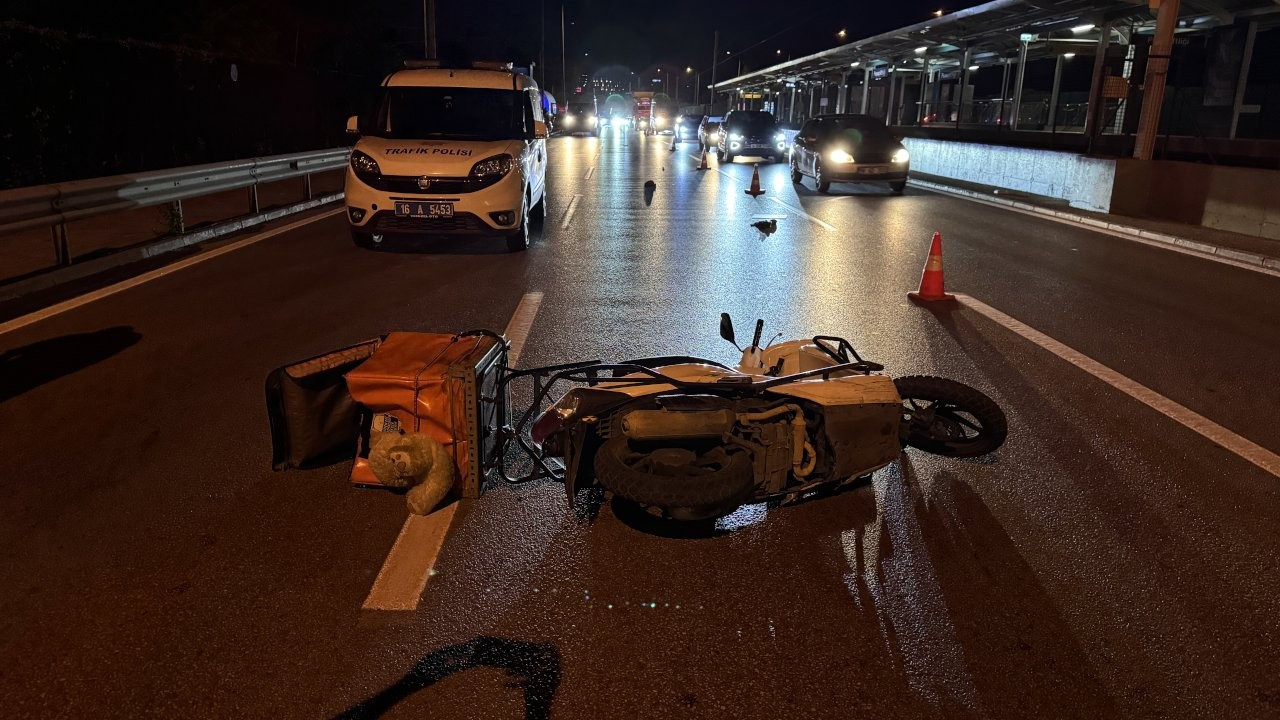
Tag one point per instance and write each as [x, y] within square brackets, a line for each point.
[55, 205]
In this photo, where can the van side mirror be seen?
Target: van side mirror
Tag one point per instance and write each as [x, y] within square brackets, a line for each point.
[353, 125]
[726, 328]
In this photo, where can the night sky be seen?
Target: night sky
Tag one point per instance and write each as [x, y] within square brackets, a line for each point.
[366, 36]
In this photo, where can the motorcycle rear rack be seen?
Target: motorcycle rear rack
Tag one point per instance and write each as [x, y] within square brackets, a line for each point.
[592, 373]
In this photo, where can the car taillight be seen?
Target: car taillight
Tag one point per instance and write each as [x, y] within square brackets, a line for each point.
[554, 419]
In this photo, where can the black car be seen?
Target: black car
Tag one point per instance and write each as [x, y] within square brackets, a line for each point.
[709, 131]
[849, 148]
[687, 128]
[754, 133]
[578, 119]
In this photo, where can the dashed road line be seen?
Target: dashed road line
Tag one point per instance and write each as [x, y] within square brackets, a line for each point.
[590, 171]
[1211, 431]
[75, 302]
[413, 556]
[809, 217]
[568, 212]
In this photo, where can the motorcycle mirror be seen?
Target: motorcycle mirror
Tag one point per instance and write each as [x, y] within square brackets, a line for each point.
[726, 329]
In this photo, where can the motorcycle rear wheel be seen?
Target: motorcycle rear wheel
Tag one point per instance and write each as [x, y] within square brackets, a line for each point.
[948, 418]
[684, 484]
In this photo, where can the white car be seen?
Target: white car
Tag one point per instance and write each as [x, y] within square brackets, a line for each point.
[449, 151]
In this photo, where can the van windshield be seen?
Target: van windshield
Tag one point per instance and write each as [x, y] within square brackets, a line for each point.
[451, 113]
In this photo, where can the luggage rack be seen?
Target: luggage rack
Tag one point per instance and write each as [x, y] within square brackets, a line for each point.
[592, 373]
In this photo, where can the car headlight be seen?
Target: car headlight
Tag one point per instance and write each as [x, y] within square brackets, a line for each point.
[780, 137]
[901, 155]
[841, 157]
[735, 136]
[498, 165]
[657, 122]
[715, 136]
[363, 164]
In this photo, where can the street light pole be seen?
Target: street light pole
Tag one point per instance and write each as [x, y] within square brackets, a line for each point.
[429, 29]
[564, 73]
[715, 58]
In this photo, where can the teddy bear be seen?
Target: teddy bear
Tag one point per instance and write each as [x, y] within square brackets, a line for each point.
[414, 461]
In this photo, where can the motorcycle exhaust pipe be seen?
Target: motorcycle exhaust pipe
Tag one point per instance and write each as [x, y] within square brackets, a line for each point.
[674, 425]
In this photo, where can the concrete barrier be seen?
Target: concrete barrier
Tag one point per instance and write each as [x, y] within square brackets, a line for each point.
[1083, 182]
[1242, 200]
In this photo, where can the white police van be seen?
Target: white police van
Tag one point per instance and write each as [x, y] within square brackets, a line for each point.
[449, 151]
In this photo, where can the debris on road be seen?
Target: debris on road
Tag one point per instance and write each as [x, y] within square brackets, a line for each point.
[768, 227]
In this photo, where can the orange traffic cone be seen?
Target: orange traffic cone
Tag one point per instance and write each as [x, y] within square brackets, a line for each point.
[931, 281]
[755, 191]
[703, 165]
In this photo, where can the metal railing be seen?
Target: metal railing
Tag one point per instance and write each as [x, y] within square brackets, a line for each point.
[1033, 115]
[55, 205]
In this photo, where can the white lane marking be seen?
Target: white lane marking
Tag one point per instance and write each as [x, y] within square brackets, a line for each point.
[413, 556]
[75, 302]
[1108, 231]
[811, 218]
[520, 324]
[404, 573]
[1211, 431]
[568, 212]
[590, 171]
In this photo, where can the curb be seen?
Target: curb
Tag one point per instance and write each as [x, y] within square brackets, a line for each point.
[167, 244]
[1240, 256]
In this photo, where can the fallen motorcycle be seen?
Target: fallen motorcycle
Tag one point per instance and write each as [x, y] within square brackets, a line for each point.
[692, 439]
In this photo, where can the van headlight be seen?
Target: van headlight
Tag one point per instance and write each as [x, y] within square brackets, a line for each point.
[496, 166]
[735, 136]
[841, 157]
[364, 165]
[780, 137]
[901, 155]
[568, 121]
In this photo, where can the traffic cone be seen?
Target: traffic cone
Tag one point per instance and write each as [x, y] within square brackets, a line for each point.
[931, 285]
[755, 191]
[703, 165]
[673, 142]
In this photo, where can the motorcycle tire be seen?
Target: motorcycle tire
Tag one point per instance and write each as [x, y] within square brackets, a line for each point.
[715, 487]
[948, 418]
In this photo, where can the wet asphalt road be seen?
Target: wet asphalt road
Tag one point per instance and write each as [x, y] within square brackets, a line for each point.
[1106, 562]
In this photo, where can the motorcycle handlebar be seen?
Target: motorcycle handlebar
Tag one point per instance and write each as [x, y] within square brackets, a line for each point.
[755, 342]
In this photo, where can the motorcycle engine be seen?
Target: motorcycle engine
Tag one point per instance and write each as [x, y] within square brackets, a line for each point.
[771, 442]
[771, 448]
